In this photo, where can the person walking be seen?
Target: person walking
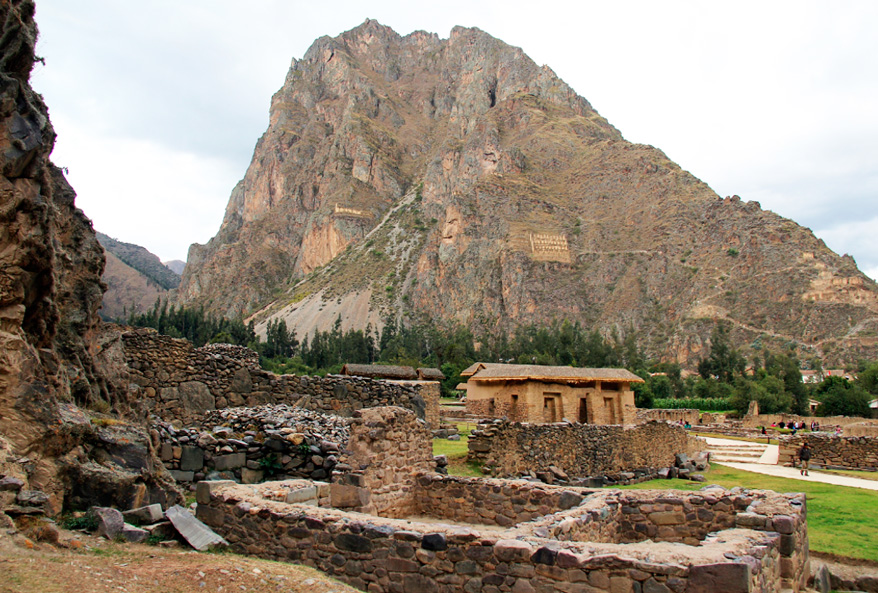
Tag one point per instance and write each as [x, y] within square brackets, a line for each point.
[804, 458]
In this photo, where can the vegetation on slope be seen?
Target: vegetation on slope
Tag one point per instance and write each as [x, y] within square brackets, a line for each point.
[141, 260]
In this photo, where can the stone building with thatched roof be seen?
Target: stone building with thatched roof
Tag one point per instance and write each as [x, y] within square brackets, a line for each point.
[541, 394]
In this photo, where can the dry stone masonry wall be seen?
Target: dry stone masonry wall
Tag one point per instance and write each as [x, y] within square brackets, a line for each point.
[180, 382]
[251, 444]
[830, 451]
[378, 471]
[766, 549]
[514, 449]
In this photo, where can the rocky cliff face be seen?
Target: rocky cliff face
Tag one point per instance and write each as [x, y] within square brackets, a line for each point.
[54, 354]
[457, 181]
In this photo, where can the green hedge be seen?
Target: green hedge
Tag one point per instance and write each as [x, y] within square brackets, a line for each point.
[704, 404]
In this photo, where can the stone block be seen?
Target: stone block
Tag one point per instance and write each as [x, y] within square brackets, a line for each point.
[728, 577]
[251, 476]
[323, 489]
[110, 521]
[230, 461]
[302, 495]
[182, 476]
[204, 489]
[192, 458]
[145, 515]
[132, 534]
[346, 496]
[167, 452]
[199, 535]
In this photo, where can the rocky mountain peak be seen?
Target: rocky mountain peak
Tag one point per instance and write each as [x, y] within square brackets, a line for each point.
[455, 180]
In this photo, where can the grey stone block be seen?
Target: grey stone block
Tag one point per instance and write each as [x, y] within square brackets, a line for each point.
[204, 489]
[182, 476]
[230, 461]
[192, 459]
[145, 515]
[251, 476]
[303, 495]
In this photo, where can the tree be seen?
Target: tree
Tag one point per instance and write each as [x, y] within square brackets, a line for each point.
[840, 397]
[723, 362]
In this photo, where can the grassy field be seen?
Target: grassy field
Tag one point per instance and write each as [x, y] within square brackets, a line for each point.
[841, 520]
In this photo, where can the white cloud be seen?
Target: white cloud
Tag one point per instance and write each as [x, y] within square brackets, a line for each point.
[770, 101]
[140, 192]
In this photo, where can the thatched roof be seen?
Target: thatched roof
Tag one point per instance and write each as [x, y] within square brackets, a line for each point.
[488, 371]
[426, 374]
[380, 371]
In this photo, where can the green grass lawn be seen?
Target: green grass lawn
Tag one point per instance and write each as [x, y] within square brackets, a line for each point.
[841, 520]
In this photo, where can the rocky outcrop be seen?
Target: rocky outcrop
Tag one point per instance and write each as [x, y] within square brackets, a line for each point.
[454, 180]
[54, 354]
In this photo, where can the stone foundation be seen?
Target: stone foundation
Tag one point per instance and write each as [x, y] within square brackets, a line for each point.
[830, 451]
[178, 382]
[576, 540]
[579, 450]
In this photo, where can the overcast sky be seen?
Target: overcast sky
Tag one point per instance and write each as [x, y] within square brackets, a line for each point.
[158, 104]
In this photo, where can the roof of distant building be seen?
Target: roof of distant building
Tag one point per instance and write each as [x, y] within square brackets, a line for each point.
[489, 371]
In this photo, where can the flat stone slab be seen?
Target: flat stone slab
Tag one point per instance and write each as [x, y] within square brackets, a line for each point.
[145, 515]
[199, 535]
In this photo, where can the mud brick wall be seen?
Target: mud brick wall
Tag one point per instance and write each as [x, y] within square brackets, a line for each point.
[830, 451]
[513, 449]
[387, 555]
[377, 473]
[178, 382]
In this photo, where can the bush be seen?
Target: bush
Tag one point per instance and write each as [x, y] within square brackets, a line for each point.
[702, 404]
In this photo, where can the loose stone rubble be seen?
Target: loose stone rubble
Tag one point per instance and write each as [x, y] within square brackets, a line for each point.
[250, 444]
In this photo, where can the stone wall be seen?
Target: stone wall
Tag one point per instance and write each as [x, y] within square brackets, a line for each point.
[179, 382]
[378, 470]
[830, 451]
[765, 551]
[513, 449]
[251, 444]
[827, 422]
[668, 415]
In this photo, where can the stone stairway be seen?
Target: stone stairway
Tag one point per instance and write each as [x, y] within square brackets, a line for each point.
[735, 451]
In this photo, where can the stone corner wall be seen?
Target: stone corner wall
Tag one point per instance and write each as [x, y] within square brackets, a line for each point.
[377, 473]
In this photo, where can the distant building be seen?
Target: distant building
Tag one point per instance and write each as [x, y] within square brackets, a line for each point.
[544, 394]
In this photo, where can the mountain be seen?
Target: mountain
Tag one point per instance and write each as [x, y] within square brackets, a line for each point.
[141, 260]
[175, 265]
[135, 278]
[455, 181]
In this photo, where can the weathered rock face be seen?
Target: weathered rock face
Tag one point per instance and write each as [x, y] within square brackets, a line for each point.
[455, 180]
[50, 287]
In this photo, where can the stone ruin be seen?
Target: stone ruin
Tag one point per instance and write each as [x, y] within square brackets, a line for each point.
[388, 522]
[587, 454]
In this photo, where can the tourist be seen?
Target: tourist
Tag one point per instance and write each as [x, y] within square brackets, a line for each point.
[804, 458]
[838, 430]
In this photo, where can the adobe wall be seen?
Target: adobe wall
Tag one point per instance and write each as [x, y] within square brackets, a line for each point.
[513, 449]
[764, 551]
[494, 400]
[178, 382]
[830, 451]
